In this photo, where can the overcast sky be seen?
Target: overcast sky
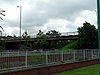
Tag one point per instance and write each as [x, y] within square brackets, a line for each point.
[60, 15]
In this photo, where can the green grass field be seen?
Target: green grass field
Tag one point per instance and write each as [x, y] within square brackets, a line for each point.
[90, 70]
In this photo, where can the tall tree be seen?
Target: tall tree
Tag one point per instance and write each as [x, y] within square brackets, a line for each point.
[88, 36]
[1, 13]
[2, 42]
[53, 33]
[27, 38]
[1, 30]
[41, 40]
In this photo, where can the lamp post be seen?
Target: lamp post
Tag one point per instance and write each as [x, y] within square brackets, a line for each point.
[98, 19]
[20, 7]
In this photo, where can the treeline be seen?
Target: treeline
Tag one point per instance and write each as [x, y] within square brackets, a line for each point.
[88, 39]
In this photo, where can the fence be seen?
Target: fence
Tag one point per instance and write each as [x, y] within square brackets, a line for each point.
[20, 59]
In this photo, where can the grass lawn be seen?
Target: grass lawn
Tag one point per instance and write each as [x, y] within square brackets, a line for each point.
[90, 70]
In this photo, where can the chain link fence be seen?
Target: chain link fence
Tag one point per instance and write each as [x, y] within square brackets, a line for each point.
[24, 59]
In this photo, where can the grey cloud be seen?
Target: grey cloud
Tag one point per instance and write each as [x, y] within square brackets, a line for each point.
[10, 1]
[41, 11]
[67, 9]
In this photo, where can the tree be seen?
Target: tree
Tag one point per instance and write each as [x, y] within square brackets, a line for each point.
[2, 46]
[27, 38]
[53, 33]
[88, 36]
[41, 40]
[1, 13]
[54, 44]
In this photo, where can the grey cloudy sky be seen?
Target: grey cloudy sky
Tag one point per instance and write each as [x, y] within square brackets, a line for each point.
[60, 15]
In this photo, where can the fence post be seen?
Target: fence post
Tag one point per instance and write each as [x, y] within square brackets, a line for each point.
[62, 56]
[18, 53]
[84, 54]
[46, 57]
[74, 52]
[91, 54]
[26, 59]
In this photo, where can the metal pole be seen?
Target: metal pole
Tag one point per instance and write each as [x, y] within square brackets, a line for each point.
[84, 54]
[98, 20]
[74, 53]
[92, 54]
[62, 55]
[20, 23]
[46, 57]
[20, 20]
[26, 59]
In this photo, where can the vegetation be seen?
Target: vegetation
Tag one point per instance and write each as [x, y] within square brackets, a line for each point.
[27, 38]
[53, 33]
[2, 45]
[70, 45]
[2, 42]
[84, 41]
[58, 44]
[1, 13]
[41, 40]
[42, 43]
[88, 37]
[90, 70]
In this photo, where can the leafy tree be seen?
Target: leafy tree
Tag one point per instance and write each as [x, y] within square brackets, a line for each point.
[41, 40]
[1, 13]
[88, 36]
[53, 33]
[58, 44]
[2, 42]
[27, 38]
[2, 46]
[1, 30]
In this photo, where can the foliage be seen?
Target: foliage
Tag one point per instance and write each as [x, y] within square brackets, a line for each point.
[54, 44]
[2, 44]
[27, 38]
[58, 44]
[2, 13]
[41, 40]
[53, 33]
[70, 45]
[1, 28]
[88, 36]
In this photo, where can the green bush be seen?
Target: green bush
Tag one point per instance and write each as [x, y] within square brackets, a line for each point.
[71, 45]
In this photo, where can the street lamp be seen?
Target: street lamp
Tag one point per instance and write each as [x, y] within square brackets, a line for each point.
[20, 7]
